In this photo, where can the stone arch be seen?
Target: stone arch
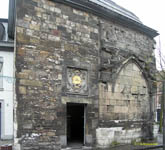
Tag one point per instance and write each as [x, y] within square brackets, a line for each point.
[129, 99]
[131, 85]
[132, 60]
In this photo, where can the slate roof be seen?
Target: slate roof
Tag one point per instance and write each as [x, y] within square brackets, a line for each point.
[103, 8]
[116, 8]
[109, 10]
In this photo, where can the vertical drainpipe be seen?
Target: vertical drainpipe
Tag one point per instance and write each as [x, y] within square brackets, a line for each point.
[99, 61]
[12, 18]
[98, 70]
[151, 116]
[100, 45]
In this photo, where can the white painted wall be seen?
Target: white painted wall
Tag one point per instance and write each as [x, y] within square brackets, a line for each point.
[6, 95]
[106, 136]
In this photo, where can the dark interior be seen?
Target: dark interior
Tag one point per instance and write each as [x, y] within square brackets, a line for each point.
[75, 123]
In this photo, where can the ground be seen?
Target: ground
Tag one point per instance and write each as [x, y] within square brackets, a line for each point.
[80, 147]
[6, 142]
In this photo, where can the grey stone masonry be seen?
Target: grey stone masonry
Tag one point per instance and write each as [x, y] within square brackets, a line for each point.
[65, 55]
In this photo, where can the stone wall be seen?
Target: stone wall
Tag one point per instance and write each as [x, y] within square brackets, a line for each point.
[52, 38]
[126, 88]
[55, 43]
[128, 99]
[125, 106]
[108, 136]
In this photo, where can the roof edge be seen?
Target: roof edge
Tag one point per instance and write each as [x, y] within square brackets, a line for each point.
[109, 15]
[3, 20]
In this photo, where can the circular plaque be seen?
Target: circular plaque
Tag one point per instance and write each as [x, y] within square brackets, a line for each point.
[76, 80]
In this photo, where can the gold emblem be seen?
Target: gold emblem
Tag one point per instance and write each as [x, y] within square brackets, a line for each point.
[76, 80]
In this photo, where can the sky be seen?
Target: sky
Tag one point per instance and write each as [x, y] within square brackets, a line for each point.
[4, 8]
[150, 12]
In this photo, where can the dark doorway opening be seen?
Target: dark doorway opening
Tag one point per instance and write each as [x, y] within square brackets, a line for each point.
[75, 123]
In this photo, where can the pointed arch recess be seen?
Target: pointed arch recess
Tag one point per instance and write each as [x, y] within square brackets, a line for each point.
[133, 60]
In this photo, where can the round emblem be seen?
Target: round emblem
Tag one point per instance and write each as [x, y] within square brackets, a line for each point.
[76, 80]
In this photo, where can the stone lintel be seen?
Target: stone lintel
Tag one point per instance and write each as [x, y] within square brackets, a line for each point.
[80, 100]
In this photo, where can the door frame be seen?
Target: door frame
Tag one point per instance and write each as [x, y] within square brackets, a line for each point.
[85, 108]
[84, 127]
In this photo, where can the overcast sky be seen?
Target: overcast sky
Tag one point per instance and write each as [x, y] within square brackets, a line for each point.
[4, 8]
[150, 13]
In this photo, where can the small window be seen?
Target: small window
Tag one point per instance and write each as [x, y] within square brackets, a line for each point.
[1, 73]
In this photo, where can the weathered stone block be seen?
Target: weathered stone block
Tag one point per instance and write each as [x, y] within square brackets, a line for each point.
[44, 53]
[27, 126]
[23, 38]
[34, 26]
[30, 83]
[22, 90]
[22, 75]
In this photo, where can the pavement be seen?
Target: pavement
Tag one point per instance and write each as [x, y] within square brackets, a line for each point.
[135, 146]
[118, 147]
[79, 146]
[6, 142]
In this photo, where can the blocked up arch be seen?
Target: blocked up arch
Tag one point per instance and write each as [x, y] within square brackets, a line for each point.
[130, 60]
[129, 99]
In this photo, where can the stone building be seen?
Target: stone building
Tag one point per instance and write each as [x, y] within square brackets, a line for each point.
[84, 72]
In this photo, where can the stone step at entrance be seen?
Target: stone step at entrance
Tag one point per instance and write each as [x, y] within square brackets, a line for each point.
[77, 147]
[74, 148]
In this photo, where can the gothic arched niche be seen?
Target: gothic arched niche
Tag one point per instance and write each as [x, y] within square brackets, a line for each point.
[130, 99]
